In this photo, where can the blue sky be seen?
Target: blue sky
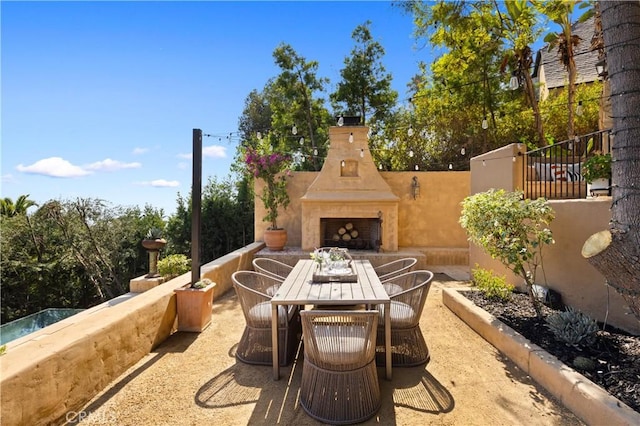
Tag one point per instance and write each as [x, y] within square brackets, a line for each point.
[99, 99]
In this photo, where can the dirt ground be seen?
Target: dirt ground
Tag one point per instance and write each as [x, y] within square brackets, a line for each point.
[194, 379]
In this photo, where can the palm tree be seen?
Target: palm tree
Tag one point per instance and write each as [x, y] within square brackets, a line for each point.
[10, 209]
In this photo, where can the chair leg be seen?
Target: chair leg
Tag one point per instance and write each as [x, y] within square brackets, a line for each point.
[408, 348]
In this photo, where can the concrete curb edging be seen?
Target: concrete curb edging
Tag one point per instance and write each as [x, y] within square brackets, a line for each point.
[585, 399]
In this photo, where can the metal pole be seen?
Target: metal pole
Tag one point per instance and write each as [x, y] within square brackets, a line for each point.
[196, 204]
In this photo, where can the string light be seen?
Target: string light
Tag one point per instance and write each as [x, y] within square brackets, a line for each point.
[302, 140]
[485, 123]
[462, 151]
[514, 83]
[340, 121]
[417, 167]
[450, 166]
[351, 137]
[410, 131]
[380, 166]
[294, 130]
[342, 163]
[411, 153]
[361, 152]
[579, 109]
[315, 152]
[483, 163]
[259, 136]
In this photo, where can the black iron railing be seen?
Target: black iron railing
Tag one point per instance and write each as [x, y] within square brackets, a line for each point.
[555, 171]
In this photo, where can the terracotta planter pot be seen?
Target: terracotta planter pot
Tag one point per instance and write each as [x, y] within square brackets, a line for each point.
[275, 239]
[194, 307]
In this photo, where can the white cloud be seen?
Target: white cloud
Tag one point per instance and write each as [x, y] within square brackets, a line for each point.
[54, 167]
[214, 151]
[160, 183]
[186, 156]
[109, 165]
[139, 151]
[8, 178]
[183, 166]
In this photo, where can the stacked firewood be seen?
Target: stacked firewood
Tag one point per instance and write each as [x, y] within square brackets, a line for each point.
[346, 233]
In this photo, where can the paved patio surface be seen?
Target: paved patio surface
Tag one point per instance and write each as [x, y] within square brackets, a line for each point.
[194, 379]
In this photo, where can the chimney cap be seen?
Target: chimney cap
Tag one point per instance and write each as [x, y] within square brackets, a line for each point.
[350, 120]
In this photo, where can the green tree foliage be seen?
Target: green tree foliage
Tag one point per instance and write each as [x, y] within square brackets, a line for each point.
[299, 121]
[9, 209]
[71, 254]
[365, 89]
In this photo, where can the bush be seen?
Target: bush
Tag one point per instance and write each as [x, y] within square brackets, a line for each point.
[174, 265]
[492, 286]
[573, 327]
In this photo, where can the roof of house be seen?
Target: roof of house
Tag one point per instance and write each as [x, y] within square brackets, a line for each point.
[554, 73]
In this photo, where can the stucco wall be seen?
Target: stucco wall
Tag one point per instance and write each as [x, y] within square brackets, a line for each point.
[54, 371]
[429, 221]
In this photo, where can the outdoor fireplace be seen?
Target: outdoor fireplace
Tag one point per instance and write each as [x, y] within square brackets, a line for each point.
[351, 233]
[349, 189]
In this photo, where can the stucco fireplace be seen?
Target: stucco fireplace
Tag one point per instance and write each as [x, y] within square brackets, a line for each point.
[349, 192]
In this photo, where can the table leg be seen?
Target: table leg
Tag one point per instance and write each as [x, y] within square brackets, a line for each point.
[387, 339]
[274, 341]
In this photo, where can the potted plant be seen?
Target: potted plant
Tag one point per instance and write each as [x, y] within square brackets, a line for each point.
[596, 171]
[153, 242]
[272, 168]
[194, 303]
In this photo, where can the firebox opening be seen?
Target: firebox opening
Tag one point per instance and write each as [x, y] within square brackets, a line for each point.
[352, 233]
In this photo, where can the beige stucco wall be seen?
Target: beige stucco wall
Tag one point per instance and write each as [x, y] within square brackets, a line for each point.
[428, 222]
[48, 374]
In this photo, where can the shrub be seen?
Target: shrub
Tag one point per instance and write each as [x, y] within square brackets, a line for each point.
[491, 285]
[174, 265]
[511, 229]
[573, 327]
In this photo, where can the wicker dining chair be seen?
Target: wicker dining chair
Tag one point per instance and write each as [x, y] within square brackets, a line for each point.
[339, 375]
[254, 292]
[395, 267]
[408, 347]
[273, 267]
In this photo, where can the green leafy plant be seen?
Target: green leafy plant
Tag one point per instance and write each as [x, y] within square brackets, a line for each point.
[598, 166]
[272, 168]
[154, 234]
[174, 265]
[491, 285]
[3, 349]
[202, 283]
[511, 229]
[573, 327]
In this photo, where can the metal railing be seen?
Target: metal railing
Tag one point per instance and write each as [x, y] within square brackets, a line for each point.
[555, 171]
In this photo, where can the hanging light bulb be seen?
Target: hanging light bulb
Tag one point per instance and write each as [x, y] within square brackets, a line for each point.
[380, 166]
[514, 159]
[342, 163]
[483, 163]
[259, 136]
[351, 137]
[416, 167]
[463, 151]
[579, 109]
[361, 152]
[485, 123]
[450, 166]
[302, 140]
[514, 83]
[315, 152]
[410, 131]
[340, 121]
[294, 130]
[410, 153]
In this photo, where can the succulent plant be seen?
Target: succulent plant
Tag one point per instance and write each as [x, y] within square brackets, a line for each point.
[573, 327]
[154, 234]
[202, 283]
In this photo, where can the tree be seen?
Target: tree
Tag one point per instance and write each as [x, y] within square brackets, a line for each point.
[292, 102]
[616, 252]
[9, 209]
[365, 87]
[560, 11]
[519, 30]
[256, 116]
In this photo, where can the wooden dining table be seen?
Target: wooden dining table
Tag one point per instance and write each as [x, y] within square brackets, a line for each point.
[299, 288]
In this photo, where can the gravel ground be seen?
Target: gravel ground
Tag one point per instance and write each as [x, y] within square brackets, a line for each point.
[194, 379]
